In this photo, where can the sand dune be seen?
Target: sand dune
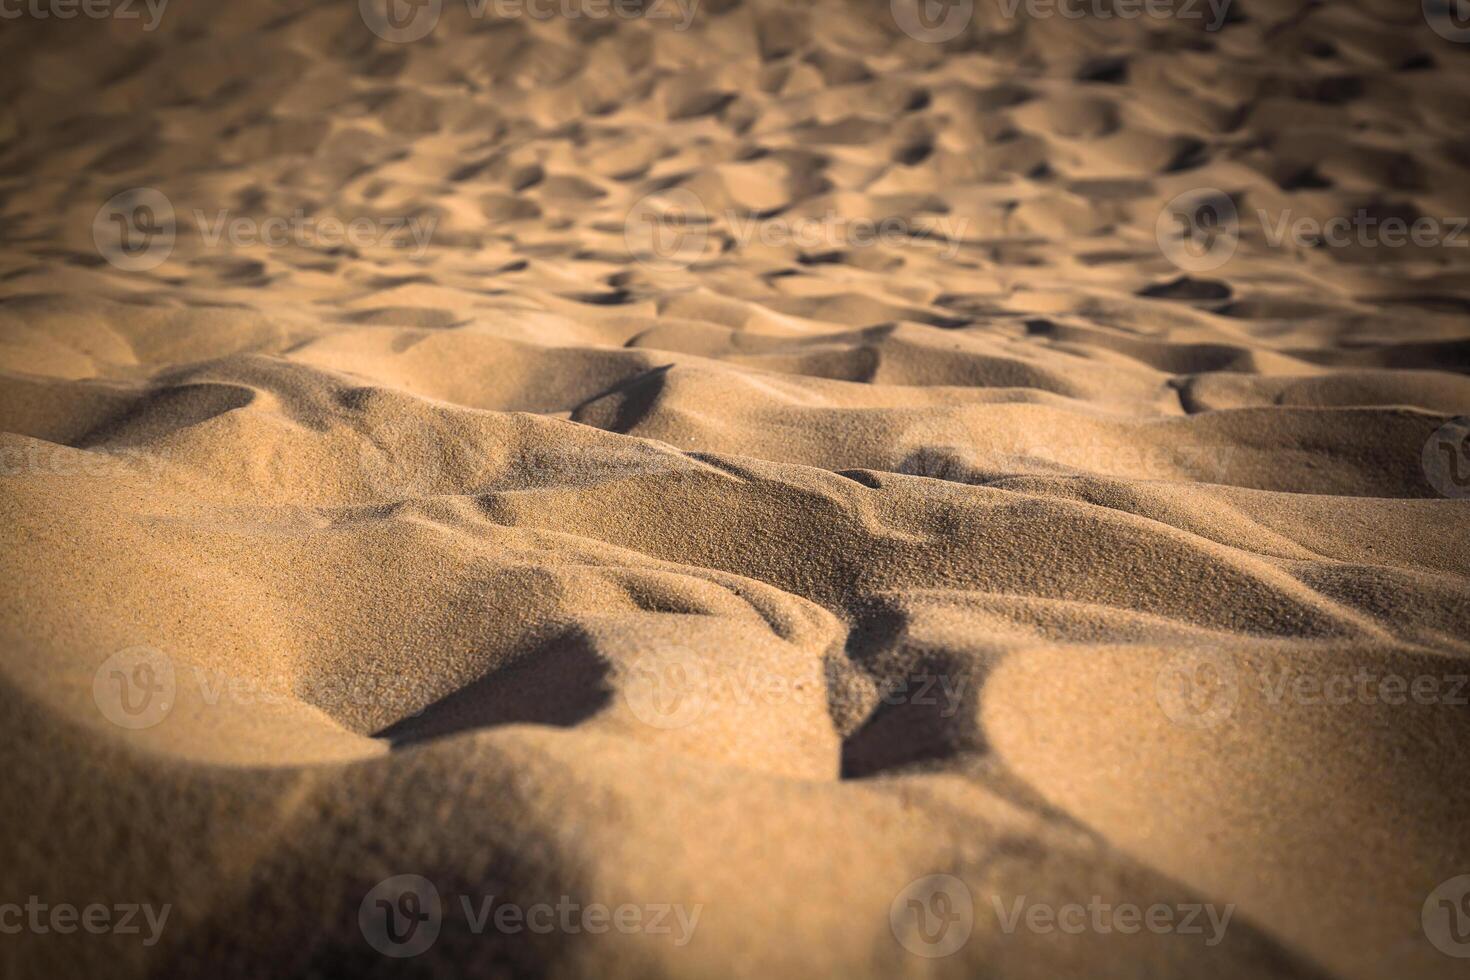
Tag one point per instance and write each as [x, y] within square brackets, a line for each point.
[922, 536]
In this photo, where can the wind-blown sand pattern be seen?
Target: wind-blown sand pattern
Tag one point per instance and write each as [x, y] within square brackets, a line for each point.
[764, 581]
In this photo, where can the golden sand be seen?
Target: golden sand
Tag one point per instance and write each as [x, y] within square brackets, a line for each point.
[851, 599]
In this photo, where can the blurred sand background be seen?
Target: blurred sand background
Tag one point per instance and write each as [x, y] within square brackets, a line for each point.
[540, 559]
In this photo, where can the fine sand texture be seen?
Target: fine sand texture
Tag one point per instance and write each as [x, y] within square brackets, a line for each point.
[643, 535]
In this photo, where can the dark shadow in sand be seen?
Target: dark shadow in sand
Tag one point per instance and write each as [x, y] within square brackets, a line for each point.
[561, 683]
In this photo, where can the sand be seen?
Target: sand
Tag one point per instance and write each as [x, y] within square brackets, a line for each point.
[872, 609]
